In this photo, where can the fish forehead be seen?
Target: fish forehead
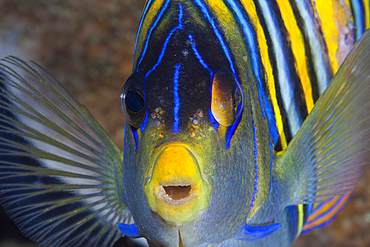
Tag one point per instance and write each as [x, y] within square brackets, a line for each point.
[177, 66]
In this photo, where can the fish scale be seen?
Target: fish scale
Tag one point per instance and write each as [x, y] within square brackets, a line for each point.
[234, 135]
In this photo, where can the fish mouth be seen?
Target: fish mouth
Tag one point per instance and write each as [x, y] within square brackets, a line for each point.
[175, 189]
[176, 193]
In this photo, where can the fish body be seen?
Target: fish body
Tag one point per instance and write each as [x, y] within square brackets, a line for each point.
[236, 133]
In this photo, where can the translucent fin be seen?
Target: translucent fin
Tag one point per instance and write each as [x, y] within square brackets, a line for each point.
[331, 151]
[324, 212]
[61, 176]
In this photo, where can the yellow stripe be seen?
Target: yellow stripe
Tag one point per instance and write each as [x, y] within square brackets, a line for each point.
[300, 219]
[367, 13]
[328, 23]
[298, 48]
[312, 221]
[150, 17]
[251, 10]
[228, 25]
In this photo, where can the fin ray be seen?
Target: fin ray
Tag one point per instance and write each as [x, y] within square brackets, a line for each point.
[330, 153]
[323, 213]
[61, 176]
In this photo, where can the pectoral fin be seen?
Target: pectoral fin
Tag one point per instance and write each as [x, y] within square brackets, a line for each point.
[331, 151]
[60, 174]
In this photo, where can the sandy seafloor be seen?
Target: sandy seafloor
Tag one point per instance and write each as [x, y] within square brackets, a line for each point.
[88, 46]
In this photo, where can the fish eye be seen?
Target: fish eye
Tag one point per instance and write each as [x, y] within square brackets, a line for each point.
[133, 103]
[227, 98]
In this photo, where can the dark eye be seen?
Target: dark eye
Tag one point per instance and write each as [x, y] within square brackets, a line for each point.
[227, 98]
[133, 103]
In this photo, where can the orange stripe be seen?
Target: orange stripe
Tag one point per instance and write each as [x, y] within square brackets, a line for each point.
[328, 216]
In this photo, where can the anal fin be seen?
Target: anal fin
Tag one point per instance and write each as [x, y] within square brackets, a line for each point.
[324, 212]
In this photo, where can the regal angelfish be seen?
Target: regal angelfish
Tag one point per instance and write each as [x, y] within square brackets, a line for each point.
[242, 121]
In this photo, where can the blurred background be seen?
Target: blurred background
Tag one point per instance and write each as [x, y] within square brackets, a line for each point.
[88, 46]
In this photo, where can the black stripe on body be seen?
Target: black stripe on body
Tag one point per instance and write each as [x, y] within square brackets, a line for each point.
[311, 70]
[298, 96]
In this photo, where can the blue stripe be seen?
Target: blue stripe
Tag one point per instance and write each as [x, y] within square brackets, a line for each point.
[206, 14]
[134, 132]
[255, 162]
[150, 31]
[218, 35]
[326, 222]
[328, 211]
[359, 11]
[142, 127]
[161, 55]
[123, 161]
[231, 131]
[253, 49]
[323, 214]
[198, 56]
[141, 23]
[176, 97]
[213, 120]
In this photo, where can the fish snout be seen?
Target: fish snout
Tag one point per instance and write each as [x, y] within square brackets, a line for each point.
[176, 190]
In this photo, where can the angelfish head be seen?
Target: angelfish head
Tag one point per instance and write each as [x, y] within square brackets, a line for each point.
[175, 189]
[195, 161]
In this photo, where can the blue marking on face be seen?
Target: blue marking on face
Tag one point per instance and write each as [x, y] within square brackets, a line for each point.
[142, 127]
[218, 35]
[213, 120]
[123, 163]
[252, 46]
[255, 163]
[134, 132]
[250, 39]
[176, 97]
[150, 30]
[161, 55]
[206, 14]
[198, 56]
[201, 61]
[230, 132]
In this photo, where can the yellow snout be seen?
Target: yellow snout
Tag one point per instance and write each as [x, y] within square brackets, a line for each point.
[176, 190]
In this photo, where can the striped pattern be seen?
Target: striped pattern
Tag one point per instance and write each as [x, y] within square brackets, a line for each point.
[323, 213]
[361, 13]
[294, 50]
[60, 173]
[294, 55]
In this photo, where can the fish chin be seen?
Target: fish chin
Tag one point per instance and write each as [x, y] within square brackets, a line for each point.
[176, 189]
